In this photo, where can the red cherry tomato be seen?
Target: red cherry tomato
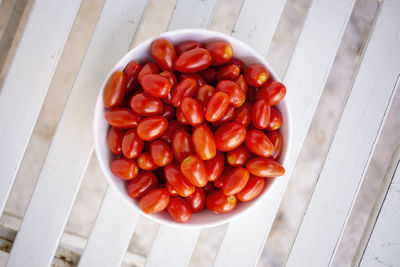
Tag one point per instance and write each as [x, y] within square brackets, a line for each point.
[260, 114]
[146, 162]
[229, 136]
[171, 190]
[186, 87]
[204, 93]
[114, 140]
[131, 72]
[275, 120]
[170, 76]
[192, 111]
[221, 52]
[209, 75]
[114, 89]
[194, 169]
[132, 145]
[154, 201]
[243, 114]
[235, 181]
[239, 156]
[180, 117]
[176, 179]
[204, 142]
[161, 153]
[209, 187]
[253, 189]
[182, 145]
[151, 128]
[273, 92]
[265, 167]
[217, 106]
[173, 126]
[236, 94]
[168, 112]
[146, 105]
[217, 202]
[215, 166]
[197, 200]
[227, 117]
[256, 75]
[143, 183]
[229, 72]
[236, 62]
[200, 80]
[122, 118]
[186, 46]
[194, 60]
[125, 169]
[240, 80]
[179, 209]
[164, 54]
[156, 85]
[148, 68]
[259, 143]
[276, 139]
[219, 182]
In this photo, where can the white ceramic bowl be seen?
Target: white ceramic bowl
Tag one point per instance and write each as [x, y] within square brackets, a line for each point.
[142, 53]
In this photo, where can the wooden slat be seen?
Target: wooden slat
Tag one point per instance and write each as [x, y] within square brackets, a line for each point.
[21, 98]
[353, 144]
[72, 145]
[305, 80]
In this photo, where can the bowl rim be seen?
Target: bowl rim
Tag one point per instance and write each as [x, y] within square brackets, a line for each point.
[99, 105]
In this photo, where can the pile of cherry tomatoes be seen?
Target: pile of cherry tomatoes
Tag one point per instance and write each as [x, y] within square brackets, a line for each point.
[195, 128]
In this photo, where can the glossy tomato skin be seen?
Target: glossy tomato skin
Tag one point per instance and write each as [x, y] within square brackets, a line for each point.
[209, 75]
[192, 111]
[176, 179]
[273, 92]
[194, 60]
[171, 77]
[164, 54]
[154, 201]
[125, 169]
[256, 75]
[239, 156]
[276, 139]
[151, 128]
[143, 183]
[235, 181]
[173, 126]
[204, 142]
[236, 62]
[145, 104]
[182, 145]
[219, 182]
[221, 52]
[236, 94]
[156, 85]
[200, 80]
[171, 190]
[148, 68]
[215, 166]
[146, 162]
[265, 167]
[194, 169]
[131, 72]
[229, 136]
[241, 81]
[261, 114]
[168, 111]
[132, 145]
[204, 93]
[227, 117]
[114, 89]
[275, 121]
[259, 143]
[217, 202]
[197, 200]
[179, 209]
[252, 190]
[181, 117]
[161, 153]
[186, 46]
[114, 140]
[243, 114]
[186, 87]
[217, 106]
[123, 118]
[229, 72]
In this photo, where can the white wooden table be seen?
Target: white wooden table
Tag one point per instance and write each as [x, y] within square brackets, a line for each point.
[21, 98]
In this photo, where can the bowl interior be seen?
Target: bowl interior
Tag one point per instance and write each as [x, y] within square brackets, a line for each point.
[142, 53]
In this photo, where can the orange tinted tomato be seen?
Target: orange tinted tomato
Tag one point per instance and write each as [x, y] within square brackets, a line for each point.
[243, 114]
[186, 87]
[164, 54]
[236, 94]
[173, 126]
[161, 153]
[170, 76]
[203, 142]
[168, 112]
[215, 166]
[209, 75]
[151, 128]
[236, 62]
[221, 52]
[171, 190]
[182, 145]
[217, 106]
[179, 209]
[194, 60]
[114, 89]
[131, 72]
[192, 111]
[235, 181]
[260, 114]
[265, 167]
[125, 169]
[155, 200]
[241, 82]
[132, 145]
[204, 93]
[148, 68]
[273, 92]
[122, 118]
[227, 117]
[229, 136]
[144, 182]
[114, 140]
[197, 200]
[186, 46]
[200, 80]
[217, 202]
[176, 179]
[259, 143]
[194, 170]
[276, 139]
[275, 120]
[239, 156]
[229, 72]
[156, 85]
[253, 189]
[146, 105]
[180, 117]
[145, 162]
[256, 75]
